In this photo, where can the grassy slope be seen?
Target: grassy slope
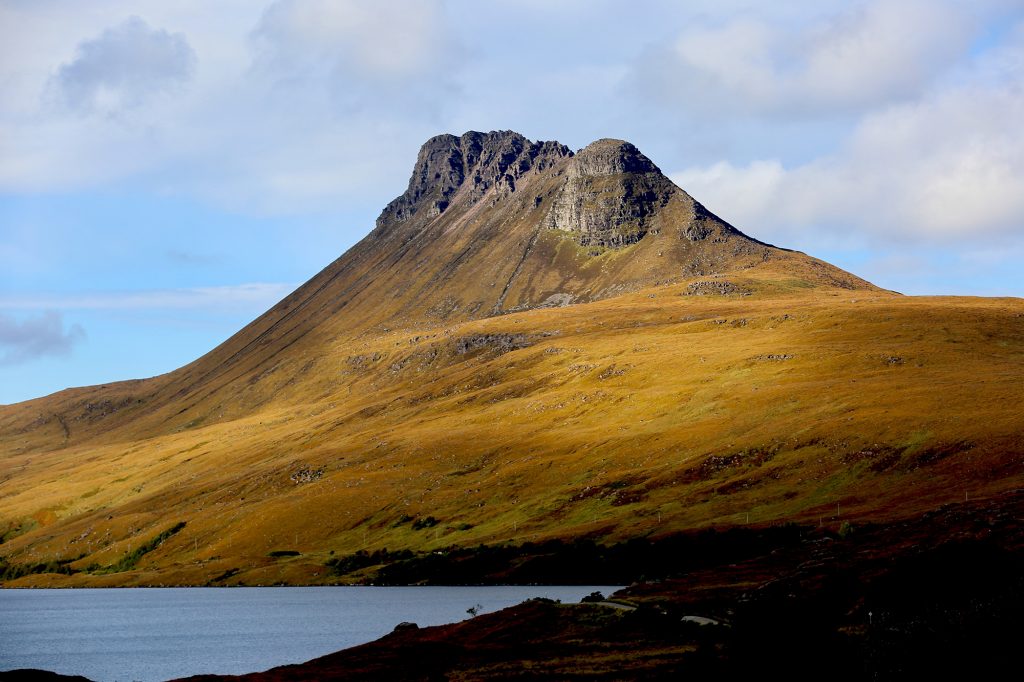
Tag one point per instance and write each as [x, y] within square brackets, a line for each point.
[641, 414]
[417, 277]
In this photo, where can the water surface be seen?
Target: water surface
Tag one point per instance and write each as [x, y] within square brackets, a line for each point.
[163, 633]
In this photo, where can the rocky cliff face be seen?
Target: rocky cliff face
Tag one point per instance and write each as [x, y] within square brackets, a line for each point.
[610, 192]
[493, 222]
[473, 163]
[609, 195]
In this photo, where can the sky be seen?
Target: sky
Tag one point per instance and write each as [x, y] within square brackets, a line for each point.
[170, 170]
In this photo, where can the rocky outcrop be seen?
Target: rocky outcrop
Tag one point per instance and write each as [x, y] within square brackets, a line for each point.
[503, 343]
[472, 164]
[607, 195]
[610, 193]
[611, 157]
[306, 474]
[715, 287]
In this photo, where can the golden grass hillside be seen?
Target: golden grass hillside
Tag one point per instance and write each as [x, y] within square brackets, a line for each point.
[530, 344]
[746, 398]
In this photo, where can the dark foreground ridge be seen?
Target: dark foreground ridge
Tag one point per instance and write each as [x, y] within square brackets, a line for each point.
[33, 675]
[940, 594]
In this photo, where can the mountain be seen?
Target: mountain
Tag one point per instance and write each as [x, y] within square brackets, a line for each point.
[490, 224]
[529, 344]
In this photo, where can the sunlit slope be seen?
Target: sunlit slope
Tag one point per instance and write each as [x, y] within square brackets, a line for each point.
[523, 225]
[529, 344]
[749, 397]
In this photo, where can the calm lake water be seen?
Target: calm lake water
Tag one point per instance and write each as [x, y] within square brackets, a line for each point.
[162, 633]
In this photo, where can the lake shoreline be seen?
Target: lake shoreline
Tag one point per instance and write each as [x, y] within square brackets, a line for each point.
[160, 634]
[940, 592]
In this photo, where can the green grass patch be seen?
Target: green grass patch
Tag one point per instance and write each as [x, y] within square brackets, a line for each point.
[916, 440]
[128, 561]
[428, 522]
[15, 571]
[24, 526]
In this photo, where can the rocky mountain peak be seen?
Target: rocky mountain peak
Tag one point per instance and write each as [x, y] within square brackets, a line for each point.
[473, 163]
[609, 196]
[611, 157]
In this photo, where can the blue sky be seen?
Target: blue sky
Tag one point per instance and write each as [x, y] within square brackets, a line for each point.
[170, 170]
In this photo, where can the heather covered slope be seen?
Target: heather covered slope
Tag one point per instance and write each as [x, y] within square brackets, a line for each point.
[529, 345]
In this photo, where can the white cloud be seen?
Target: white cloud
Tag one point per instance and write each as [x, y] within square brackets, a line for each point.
[96, 117]
[745, 192]
[123, 67]
[959, 161]
[877, 52]
[299, 107]
[946, 166]
[363, 39]
[258, 294]
[940, 170]
[34, 337]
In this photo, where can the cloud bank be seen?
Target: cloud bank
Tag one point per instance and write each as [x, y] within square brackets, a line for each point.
[354, 40]
[867, 55]
[123, 67]
[36, 337]
[229, 297]
[945, 167]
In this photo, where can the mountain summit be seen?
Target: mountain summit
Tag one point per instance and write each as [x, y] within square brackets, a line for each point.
[480, 161]
[494, 222]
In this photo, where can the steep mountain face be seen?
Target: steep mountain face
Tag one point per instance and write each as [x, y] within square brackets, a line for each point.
[530, 343]
[478, 160]
[490, 223]
[610, 194]
[494, 222]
